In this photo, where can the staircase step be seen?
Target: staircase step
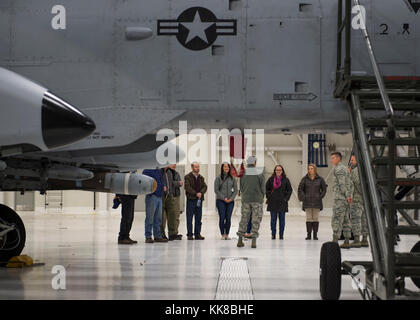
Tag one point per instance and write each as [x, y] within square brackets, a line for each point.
[407, 259]
[406, 93]
[407, 230]
[399, 123]
[403, 205]
[398, 141]
[397, 160]
[374, 104]
[400, 182]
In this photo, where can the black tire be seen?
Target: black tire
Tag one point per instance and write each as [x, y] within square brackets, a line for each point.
[14, 242]
[330, 271]
[416, 249]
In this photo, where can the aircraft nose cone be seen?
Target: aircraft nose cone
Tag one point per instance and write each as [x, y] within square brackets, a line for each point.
[62, 123]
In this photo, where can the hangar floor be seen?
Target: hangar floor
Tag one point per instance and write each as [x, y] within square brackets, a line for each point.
[98, 268]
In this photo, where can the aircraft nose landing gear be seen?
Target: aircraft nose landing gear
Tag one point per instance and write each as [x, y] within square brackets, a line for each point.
[330, 271]
[12, 234]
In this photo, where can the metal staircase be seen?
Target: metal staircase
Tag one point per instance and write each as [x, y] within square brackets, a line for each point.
[385, 118]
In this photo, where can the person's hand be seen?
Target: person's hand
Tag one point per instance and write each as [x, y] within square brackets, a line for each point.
[180, 183]
[349, 169]
[350, 199]
[199, 195]
[164, 188]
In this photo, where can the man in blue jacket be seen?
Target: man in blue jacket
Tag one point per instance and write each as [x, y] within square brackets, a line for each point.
[154, 208]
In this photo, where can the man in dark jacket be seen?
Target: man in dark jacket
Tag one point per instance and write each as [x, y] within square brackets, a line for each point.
[127, 217]
[153, 220]
[170, 210]
[178, 183]
[312, 189]
[195, 188]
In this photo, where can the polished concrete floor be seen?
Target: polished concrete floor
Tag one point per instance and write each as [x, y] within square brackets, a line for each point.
[98, 268]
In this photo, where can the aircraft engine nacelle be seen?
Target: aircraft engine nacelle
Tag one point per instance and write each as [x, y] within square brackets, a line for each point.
[33, 119]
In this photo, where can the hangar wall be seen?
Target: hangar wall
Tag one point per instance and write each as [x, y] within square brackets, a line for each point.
[80, 202]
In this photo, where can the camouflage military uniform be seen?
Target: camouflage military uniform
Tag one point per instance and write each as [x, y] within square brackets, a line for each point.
[252, 187]
[357, 212]
[343, 189]
[254, 210]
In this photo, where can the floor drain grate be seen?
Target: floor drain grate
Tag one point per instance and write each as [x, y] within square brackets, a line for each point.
[234, 282]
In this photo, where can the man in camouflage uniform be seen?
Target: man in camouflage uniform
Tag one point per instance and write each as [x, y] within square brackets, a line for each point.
[252, 186]
[343, 194]
[357, 212]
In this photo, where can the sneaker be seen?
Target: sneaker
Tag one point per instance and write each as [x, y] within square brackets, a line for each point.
[178, 237]
[273, 236]
[125, 241]
[190, 238]
[281, 237]
[165, 237]
[149, 240]
[227, 237]
[161, 240]
[199, 237]
[223, 237]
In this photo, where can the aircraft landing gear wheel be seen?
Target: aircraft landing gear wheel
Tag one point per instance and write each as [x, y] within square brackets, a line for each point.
[12, 242]
[416, 249]
[330, 271]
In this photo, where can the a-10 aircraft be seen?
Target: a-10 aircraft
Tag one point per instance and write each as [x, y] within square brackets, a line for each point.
[137, 66]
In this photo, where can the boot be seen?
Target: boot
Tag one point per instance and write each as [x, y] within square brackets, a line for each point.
[315, 226]
[364, 243]
[254, 243]
[346, 244]
[356, 243]
[308, 230]
[335, 239]
[240, 242]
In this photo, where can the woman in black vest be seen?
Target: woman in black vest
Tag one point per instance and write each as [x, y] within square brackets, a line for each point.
[278, 191]
[312, 189]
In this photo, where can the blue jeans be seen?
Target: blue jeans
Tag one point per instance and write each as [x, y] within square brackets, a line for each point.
[153, 216]
[282, 222]
[196, 212]
[225, 214]
[249, 227]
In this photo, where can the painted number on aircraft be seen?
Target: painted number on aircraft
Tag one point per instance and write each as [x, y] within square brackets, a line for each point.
[58, 22]
[384, 30]
[197, 28]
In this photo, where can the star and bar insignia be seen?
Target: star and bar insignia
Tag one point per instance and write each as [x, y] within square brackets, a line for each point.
[197, 28]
